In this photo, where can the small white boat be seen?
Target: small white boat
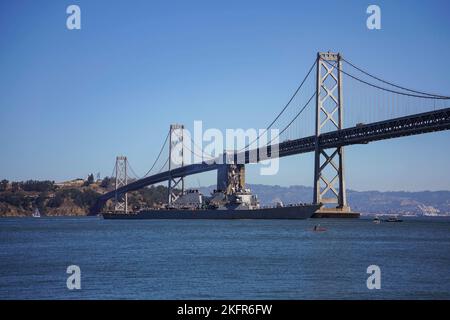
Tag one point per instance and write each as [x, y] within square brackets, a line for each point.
[376, 220]
[36, 213]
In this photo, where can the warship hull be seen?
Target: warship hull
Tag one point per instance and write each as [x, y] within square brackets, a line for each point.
[288, 212]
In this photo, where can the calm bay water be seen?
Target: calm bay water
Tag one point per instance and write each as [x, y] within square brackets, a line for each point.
[242, 259]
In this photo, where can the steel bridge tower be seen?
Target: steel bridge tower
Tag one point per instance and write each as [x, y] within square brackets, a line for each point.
[176, 154]
[329, 164]
[121, 200]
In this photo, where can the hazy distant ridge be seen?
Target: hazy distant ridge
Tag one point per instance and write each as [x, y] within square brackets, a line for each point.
[401, 202]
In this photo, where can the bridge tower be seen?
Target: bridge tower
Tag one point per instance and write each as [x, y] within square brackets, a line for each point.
[329, 179]
[176, 156]
[121, 200]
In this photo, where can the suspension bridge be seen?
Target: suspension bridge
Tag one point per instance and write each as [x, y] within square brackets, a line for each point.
[311, 121]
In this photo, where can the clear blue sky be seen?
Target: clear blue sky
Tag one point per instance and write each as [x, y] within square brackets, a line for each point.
[70, 101]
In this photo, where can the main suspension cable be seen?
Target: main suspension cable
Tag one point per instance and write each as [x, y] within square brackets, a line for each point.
[296, 116]
[193, 152]
[159, 154]
[394, 85]
[386, 89]
[285, 107]
[167, 160]
[131, 169]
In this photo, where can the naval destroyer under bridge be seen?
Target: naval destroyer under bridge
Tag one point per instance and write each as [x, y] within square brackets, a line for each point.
[375, 110]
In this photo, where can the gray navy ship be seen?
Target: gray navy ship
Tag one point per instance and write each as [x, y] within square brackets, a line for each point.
[241, 204]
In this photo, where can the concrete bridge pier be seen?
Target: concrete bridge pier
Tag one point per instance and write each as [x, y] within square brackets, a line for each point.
[345, 212]
[230, 178]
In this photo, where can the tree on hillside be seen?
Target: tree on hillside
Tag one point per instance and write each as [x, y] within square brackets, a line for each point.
[107, 182]
[90, 179]
[15, 186]
[38, 186]
[4, 185]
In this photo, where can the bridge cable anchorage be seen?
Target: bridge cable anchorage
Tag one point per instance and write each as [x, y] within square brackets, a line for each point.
[293, 119]
[394, 85]
[284, 108]
[159, 155]
[386, 89]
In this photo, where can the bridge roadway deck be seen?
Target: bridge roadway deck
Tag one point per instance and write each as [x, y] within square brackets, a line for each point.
[398, 127]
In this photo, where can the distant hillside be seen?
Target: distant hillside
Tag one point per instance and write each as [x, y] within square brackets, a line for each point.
[67, 198]
[366, 202]
[77, 196]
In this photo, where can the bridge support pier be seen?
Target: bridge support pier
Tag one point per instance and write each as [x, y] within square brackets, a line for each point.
[231, 178]
[329, 179]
